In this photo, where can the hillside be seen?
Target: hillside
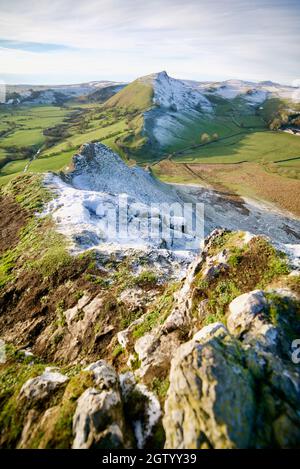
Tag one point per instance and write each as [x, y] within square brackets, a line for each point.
[182, 128]
[137, 96]
[58, 94]
[142, 346]
[176, 112]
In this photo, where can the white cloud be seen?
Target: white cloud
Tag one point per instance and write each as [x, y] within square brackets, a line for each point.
[120, 39]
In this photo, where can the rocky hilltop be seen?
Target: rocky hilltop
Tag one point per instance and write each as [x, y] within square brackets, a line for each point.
[110, 348]
[101, 191]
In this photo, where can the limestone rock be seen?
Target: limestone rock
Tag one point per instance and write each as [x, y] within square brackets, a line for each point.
[43, 386]
[243, 309]
[136, 298]
[124, 337]
[104, 375]
[155, 352]
[210, 402]
[248, 318]
[141, 406]
[79, 321]
[98, 421]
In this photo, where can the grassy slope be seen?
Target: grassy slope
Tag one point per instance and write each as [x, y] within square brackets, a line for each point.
[256, 146]
[229, 118]
[255, 162]
[135, 96]
[134, 99]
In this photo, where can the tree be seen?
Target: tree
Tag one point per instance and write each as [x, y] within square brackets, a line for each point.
[205, 138]
[215, 136]
[275, 124]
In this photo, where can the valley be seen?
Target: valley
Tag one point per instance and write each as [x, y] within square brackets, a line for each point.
[217, 134]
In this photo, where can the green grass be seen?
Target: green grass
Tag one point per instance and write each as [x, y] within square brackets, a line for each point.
[243, 135]
[14, 167]
[29, 124]
[40, 246]
[24, 138]
[88, 136]
[3, 155]
[13, 374]
[146, 278]
[24, 129]
[135, 96]
[51, 163]
[252, 266]
[254, 147]
[159, 313]
[57, 432]
[229, 118]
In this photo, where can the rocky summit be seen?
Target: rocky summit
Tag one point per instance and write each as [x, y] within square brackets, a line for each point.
[102, 201]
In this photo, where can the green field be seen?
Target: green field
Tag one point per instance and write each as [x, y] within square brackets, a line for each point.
[265, 146]
[237, 133]
[25, 130]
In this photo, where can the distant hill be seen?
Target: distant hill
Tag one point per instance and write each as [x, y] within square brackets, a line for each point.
[58, 94]
[168, 114]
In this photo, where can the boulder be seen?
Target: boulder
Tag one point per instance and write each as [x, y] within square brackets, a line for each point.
[248, 319]
[142, 408]
[104, 375]
[98, 421]
[211, 400]
[43, 386]
[243, 309]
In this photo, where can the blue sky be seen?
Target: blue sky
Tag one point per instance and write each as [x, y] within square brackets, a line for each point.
[70, 41]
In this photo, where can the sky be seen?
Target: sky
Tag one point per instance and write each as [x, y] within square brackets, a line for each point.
[74, 41]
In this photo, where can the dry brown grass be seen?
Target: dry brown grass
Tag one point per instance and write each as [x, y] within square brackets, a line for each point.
[246, 179]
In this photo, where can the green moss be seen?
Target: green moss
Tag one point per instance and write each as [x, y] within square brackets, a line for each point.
[251, 266]
[223, 294]
[159, 437]
[160, 387]
[58, 337]
[145, 279]
[229, 240]
[285, 314]
[78, 295]
[276, 267]
[236, 256]
[129, 316]
[60, 308]
[28, 190]
[136, 362]
[147, 325]
[158, 314]
[13, 374]
[55, 259]
[102, 282]
[118, 350]
[123, 277]
[62, 435]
